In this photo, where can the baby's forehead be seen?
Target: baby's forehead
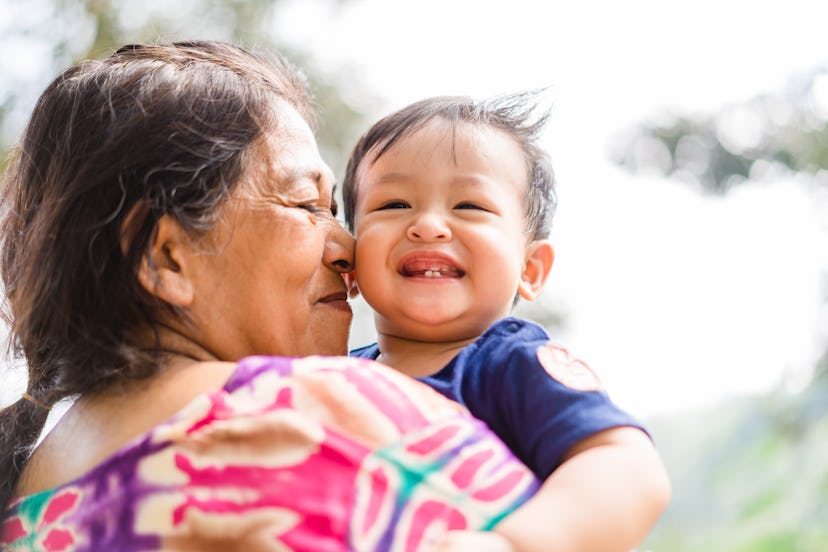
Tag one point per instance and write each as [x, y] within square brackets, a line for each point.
[460, 154]
[437, 130]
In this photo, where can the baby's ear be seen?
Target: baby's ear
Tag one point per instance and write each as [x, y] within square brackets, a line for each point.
[165, 268]
[536, 267]
[351, 283]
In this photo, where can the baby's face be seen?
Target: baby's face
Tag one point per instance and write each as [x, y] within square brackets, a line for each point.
[439, 221]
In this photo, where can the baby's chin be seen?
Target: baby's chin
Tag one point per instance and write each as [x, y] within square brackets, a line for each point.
[433, 327]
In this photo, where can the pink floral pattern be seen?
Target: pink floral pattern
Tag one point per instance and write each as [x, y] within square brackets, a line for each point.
[317, 454]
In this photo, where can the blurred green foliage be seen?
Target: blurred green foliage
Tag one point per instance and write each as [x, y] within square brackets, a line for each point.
[768, 135]
[53, 34]
[750, 475]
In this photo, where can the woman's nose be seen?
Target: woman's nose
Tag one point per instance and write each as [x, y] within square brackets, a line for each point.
[429, 227]
[339, 248]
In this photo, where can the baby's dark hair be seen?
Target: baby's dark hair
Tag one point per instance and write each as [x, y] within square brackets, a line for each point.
[518, 115]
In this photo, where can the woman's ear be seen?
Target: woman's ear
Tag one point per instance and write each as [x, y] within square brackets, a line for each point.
[164, 270]
[539, 258]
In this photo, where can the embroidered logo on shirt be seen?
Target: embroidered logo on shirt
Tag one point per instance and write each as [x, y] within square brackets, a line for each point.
[566, 369]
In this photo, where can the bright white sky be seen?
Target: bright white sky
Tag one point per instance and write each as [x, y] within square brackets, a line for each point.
[676, 299]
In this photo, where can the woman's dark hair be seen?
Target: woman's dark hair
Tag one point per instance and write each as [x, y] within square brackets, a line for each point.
[112, 146]
[518, 115]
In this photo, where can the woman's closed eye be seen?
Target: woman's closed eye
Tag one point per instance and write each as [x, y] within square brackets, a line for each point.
[316, 209]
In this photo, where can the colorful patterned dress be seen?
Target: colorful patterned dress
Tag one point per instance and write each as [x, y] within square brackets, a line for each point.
[317, 454]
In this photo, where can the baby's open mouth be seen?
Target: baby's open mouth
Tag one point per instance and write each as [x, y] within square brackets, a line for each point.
[430, 269]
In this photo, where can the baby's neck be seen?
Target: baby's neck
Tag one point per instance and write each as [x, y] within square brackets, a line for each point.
[418, 358]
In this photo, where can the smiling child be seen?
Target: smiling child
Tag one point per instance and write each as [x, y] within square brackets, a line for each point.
[451, 201]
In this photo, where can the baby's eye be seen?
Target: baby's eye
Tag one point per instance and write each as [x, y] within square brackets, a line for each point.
[394, 205]
[469, 205]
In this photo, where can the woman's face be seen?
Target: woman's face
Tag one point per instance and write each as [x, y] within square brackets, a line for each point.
[270, 281]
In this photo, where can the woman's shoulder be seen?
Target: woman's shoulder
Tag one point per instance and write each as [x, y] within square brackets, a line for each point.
[108, 430]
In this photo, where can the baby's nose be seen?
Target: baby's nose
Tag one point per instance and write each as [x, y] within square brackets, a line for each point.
[429, 227]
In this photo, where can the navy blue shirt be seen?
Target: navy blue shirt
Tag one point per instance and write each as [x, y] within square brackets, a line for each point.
[537, 398]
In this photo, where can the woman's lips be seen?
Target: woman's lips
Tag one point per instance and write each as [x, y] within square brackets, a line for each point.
[338, 300]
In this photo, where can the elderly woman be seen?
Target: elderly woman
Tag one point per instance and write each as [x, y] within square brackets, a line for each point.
[170, 255]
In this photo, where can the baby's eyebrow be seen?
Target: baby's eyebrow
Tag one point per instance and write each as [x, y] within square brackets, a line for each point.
[392, 177]
[470, 180]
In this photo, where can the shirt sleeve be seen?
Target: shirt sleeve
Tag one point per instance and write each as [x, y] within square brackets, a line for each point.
[538, 398]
